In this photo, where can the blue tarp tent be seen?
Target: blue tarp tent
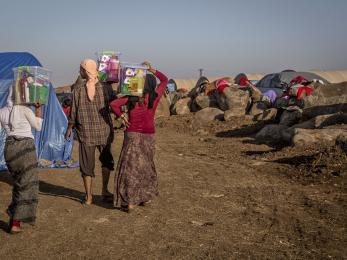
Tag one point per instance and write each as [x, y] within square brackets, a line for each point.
[50, 142]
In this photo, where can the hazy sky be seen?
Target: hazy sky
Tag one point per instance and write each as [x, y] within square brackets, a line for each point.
[180, 36]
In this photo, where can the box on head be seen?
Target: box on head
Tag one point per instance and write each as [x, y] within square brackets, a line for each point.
[132, 79]
[108, 66]
[31, 85]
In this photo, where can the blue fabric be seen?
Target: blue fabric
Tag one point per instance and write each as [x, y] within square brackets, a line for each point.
[2, 146]
[50, 142]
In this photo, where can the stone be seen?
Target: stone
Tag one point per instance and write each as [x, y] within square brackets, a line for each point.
[209, 114]
[266, 115]
[232, 98]
[290, 118]
[232, 113]
[163, 108]
[307, 137]
[274, 134]
[181, 107]
[257, 108]
[323, 121]
[328, 99]
[202, 101]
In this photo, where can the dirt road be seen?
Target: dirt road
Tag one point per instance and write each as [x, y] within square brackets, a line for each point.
[220, 198]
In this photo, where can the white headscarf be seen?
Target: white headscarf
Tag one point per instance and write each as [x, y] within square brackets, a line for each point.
[91, 70]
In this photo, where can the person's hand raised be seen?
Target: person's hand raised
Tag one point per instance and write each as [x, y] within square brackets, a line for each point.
[149, 66]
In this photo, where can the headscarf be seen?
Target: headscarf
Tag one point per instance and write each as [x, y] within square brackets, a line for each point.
[90, 68]
[221, 84]
[149, 88]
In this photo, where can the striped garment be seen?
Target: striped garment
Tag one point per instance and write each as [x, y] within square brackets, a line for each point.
[20, 157]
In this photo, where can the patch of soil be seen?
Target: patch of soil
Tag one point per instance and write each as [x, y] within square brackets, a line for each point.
[221, 197]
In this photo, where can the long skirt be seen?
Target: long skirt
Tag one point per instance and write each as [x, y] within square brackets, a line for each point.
[21, 161]
[136, 181]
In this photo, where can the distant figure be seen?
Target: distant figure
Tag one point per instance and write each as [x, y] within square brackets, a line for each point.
[136, 182]
[90, 117]
[21, 161]
[67, 107]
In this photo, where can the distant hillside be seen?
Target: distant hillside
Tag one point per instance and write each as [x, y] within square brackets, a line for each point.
[331, 76]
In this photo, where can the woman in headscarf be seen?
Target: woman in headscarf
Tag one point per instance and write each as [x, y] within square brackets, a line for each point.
[21, 161]
[136, 182]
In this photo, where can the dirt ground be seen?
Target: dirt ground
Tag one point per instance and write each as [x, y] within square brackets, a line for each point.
[221, 197]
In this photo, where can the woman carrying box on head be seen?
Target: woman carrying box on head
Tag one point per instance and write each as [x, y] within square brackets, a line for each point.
[21, 161]
[136, 182]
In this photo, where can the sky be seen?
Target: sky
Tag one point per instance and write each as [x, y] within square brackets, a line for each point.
[223, 37]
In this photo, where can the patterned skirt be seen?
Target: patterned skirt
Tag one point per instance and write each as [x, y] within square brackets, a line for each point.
[136, 181]
[20, 157]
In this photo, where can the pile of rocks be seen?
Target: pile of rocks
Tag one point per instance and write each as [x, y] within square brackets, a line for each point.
[323, 120]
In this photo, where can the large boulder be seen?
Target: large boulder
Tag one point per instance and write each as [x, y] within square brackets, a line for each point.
[327, 99]
[307, 137]
[323, 121]
[290, 117]
[233, 113]
[181, 107]
[274, 135]
[232, 98]
[209, 114]
[163, 108]
[202, 101]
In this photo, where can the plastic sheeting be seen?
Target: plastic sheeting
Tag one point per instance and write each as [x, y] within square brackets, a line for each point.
[51, 145]
[2, 146]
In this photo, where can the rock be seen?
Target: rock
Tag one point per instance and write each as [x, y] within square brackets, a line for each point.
[257, 108]
[323, 121]
[266, 115]
[306, 137]
[290, 118]
[232, 113]
[209, 114]
[181, 107]
[327, 99]
[232, 98]
[309, 124]
[328, 120]
[341, 142]
[274, 134]
[201, 224]
[202, 101]
[163, 109]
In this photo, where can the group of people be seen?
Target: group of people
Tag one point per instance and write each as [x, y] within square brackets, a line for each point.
[136, 182]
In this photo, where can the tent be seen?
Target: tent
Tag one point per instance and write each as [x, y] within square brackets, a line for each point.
[275, 81]
[51, 146]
